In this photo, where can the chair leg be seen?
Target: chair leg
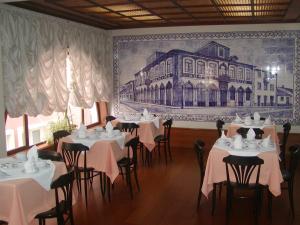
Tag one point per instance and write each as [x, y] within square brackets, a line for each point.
[158, 149]
[136, 179]
[291, 197]
[102, 184]
[165, 150]
[108, 188]
[169, 149]
[78, 181]
[220, 189]
[85, 179]
[269, 205]
[40, 221]
[228, 203]
[199, 192]
[128, 178]
[213, 200]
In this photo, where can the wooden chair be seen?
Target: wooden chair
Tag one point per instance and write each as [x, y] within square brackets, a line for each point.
[286, 132]
[50, 155]
[288, 177]
[242, 168]
[58, 135]
[128, 127]
[71, 153]
[109, 118]
[243, 132]
[220, 124]
[63, 205]
[165, 139]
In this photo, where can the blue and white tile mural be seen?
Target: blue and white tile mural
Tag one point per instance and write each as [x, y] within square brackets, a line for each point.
[205, 76]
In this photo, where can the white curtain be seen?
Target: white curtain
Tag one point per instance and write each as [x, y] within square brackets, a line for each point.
[35, 48]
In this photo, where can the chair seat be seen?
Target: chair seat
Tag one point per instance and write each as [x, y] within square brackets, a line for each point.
[160, 138]
[124, 162]
[286, 175]
[51, 213]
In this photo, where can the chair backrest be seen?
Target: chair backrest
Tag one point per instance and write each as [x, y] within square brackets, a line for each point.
[167, 128]
[64, 185]
[294, 159]
[132, 145]
[128, 127]
[110, 118]
[58, 135]
[220, 124]
[50, 155]
[72, 152]
[243, 132]
[199, 149]
[286, 131]
[242, 168]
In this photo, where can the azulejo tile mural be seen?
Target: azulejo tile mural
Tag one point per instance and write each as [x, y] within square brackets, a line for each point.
[205, 76]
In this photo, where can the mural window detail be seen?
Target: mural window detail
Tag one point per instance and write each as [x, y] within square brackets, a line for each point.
[258, 85]
[265, 100]
[212, 94]
[232, 93]
[169, 66]
[231, 72]
[248, 94]
[265, 86]
[188, 94]
[248, 75]
[272, 100]
[156, 72]
[200, 67]
[222, 71]
[240, 74]
[169, 93]
[162, 69]
[188, 65]
[221, 52]
[213, 69]
[258, 100]
[240, 96]
[162, 94]
[201, 95]
[259, 74]
[271, 87]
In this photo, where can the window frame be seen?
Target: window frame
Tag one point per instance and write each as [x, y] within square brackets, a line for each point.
[43, 143]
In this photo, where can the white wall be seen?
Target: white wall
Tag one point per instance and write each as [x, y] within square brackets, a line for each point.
[214, 28]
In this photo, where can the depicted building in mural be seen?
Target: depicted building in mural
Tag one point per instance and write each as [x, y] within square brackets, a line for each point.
[211, 76]
[284, 96]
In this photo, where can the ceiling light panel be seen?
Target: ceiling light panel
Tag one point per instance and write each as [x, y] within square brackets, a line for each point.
[124, 7]
[136, 13]
[237, 13]
[92, 10]
[146, 18]
[232, 2]
[157, 4]
[194, 2]
[201, 9]
[270, 1]
[234, 8]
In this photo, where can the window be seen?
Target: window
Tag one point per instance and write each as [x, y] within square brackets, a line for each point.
[169, 66]
[265, 86]
[248, 75]
[162, 69]
[24, 131]
[271, 87]
[258, 86]
[188, 65]
[259, 74]
[14, 132]
[212, 69]
[240, 74]
[231, 72]
[232, 93]
[200, 67]
[221, 52]
[281, 98]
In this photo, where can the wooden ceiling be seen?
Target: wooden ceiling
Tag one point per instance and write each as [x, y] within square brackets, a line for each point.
[121, 14]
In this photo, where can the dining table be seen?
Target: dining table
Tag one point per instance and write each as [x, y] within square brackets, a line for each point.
[147, 131]
[270, 173]
[24, 195]
[104, 150]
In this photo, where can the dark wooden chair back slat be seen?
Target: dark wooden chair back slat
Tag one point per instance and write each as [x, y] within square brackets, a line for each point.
[199, 149]
[294, 159]
[167, 128]
[286, 132]
[220, 124]
[128, 127]
[132, 146]
[242, 168]
[50, 155]
[71, 153]
[243, 132]
[58, 135]
[109, 118]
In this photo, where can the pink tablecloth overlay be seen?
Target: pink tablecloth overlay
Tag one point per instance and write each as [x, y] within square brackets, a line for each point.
[22, 199]
[268, 130]
[147, 132]
[103, 155]
[215, 172]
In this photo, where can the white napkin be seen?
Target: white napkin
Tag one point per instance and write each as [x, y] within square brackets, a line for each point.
[109, 128]
[238, 143]
[248, 120]
[237, 118]
[223, 136]
[32, 154]
[156, 122]
[250, 134]
[268, 121]
[145, 113]
[266, 141]
[256, 116]
[82, 131]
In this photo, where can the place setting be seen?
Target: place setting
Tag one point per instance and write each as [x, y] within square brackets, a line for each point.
[253, 122]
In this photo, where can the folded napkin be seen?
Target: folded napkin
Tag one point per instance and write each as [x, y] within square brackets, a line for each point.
[82, 131]
[237, 118]
[268, 121]
[256, 116]
[238, 143]
[156, 122]
[145, 113]
[32, 154]
[266, 141]
[250, 134]
[248, 120]
[109, 128]
[223, 136]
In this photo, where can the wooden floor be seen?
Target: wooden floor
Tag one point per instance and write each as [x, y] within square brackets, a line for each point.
[168, 197]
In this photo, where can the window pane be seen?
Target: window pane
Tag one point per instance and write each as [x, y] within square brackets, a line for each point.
[74, 115]
[14, 131]
[91, 115]
[40, 127]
